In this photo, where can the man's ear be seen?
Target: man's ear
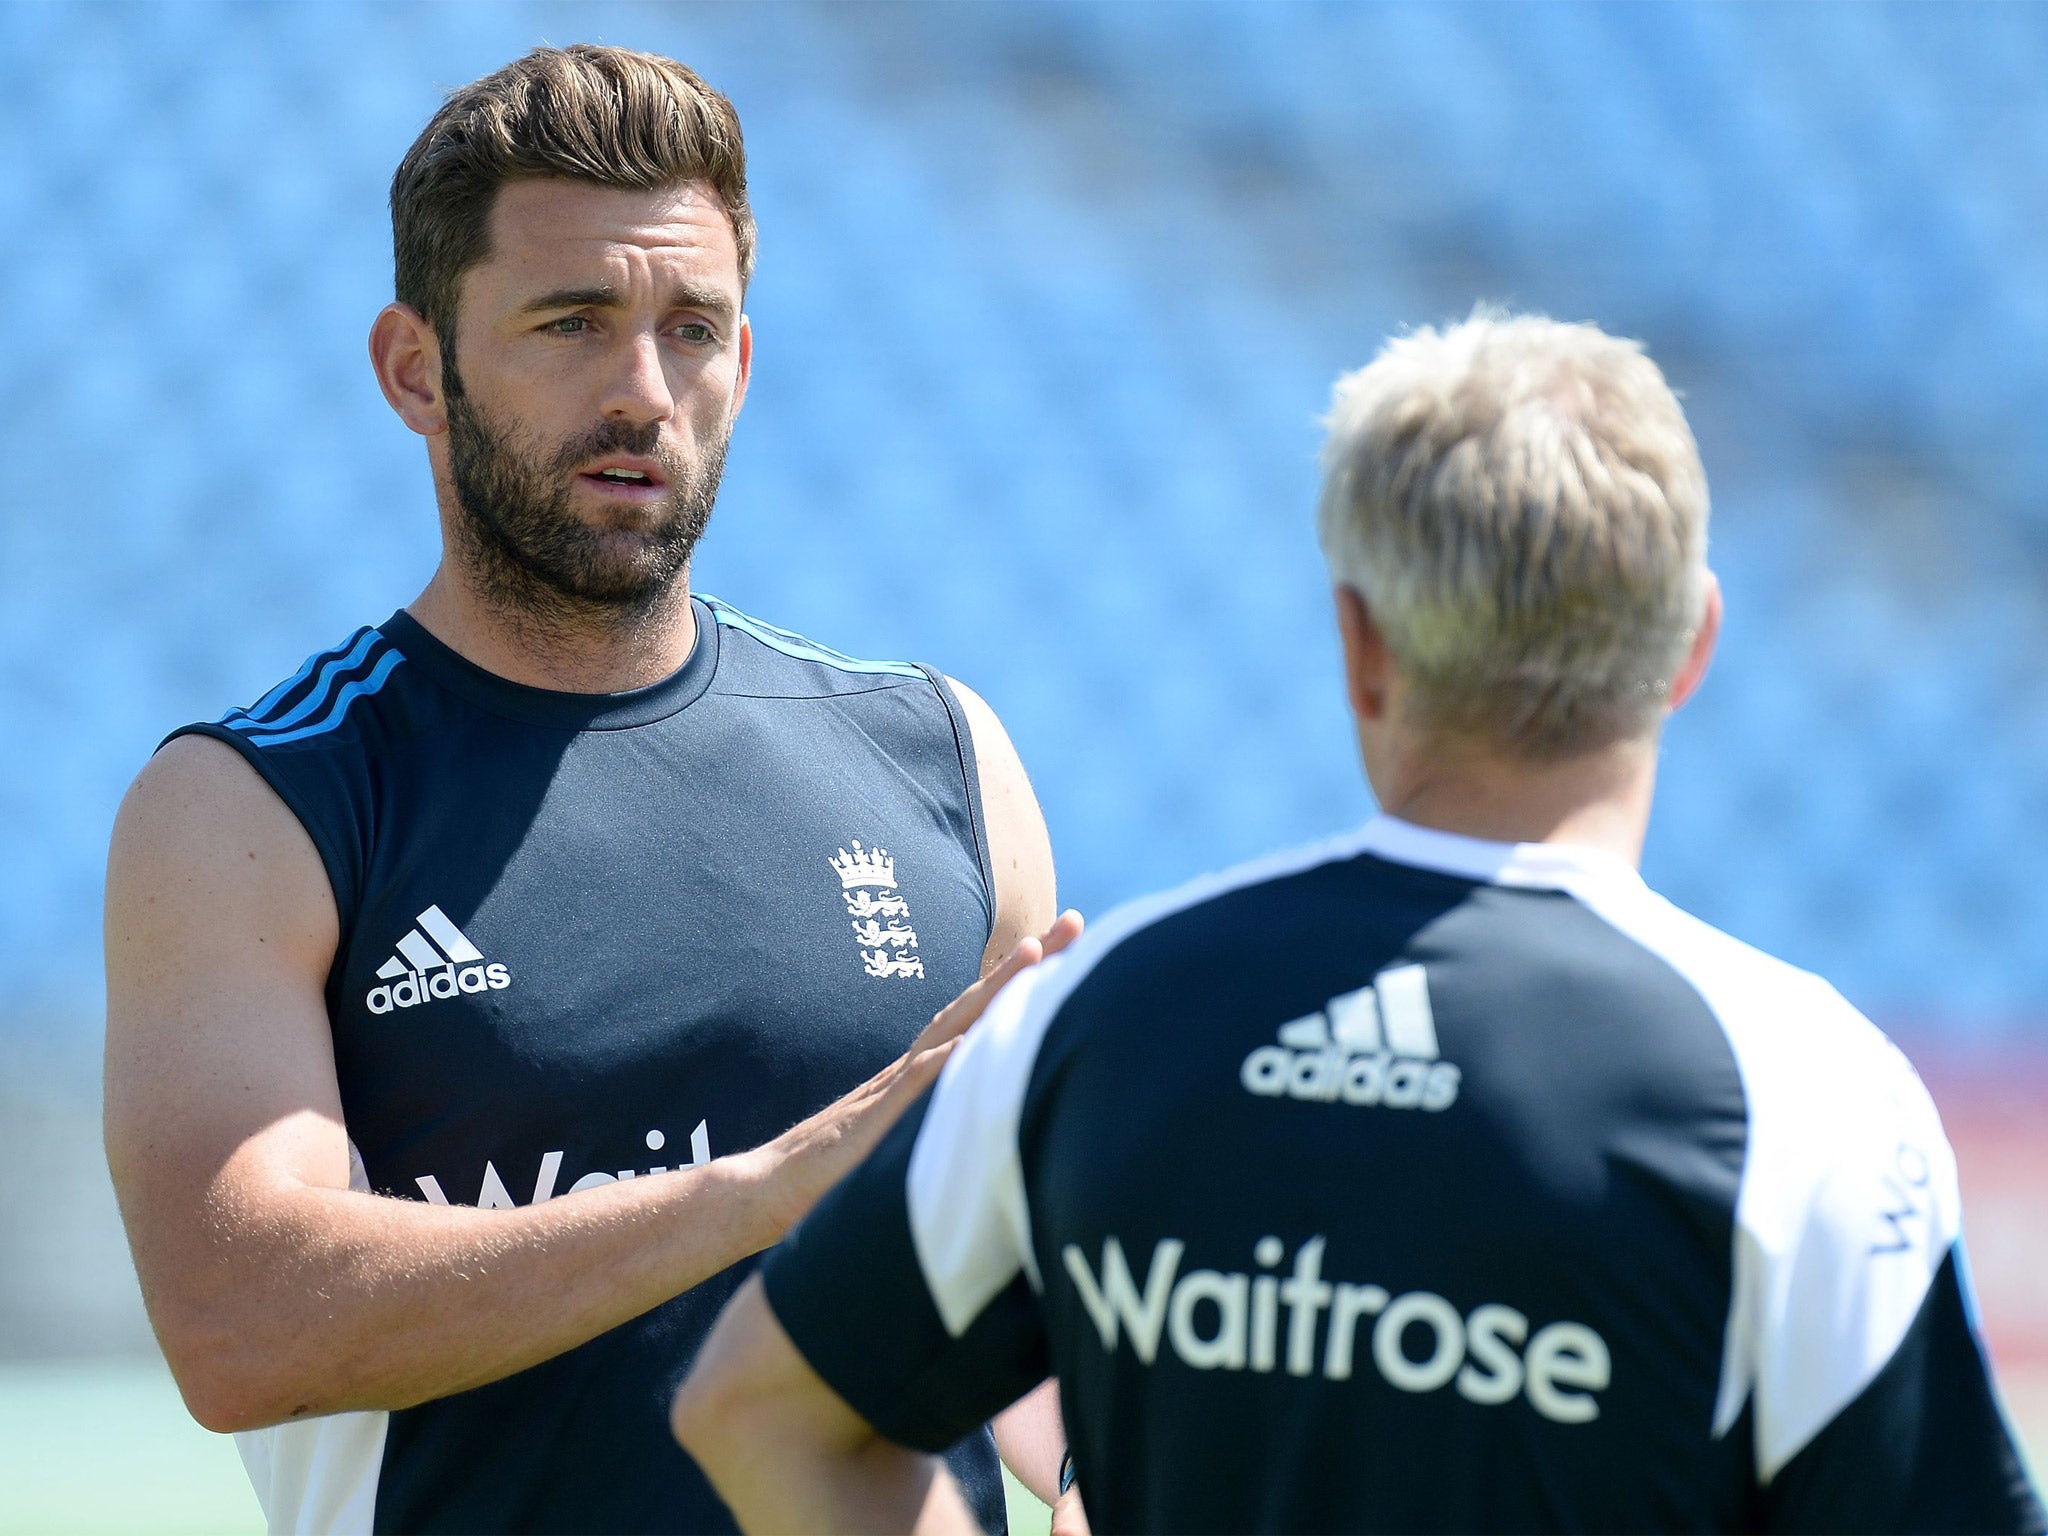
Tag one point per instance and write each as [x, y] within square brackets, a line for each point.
[406, 355]
[1368, 665]
[1693, 670]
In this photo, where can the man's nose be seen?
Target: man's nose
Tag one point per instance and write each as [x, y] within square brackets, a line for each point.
[638, 390]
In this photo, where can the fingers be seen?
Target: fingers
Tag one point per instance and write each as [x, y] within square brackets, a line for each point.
[1065, 929]
[920, 1067]
[1029, 951]
[952, 1020]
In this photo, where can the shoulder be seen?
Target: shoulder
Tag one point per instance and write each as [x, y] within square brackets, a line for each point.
[1848, 1203]
[304, 737]
[194, 786]
[314, 704]
[905, 712]
[1016, 1022]
[1151, 943]
[1005, 786]
[1830, 1099]
[202, 836]
[765, 660]
[305, 751]
[991, 742]
[1802, 1048]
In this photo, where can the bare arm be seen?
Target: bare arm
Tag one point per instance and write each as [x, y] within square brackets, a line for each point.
[277, 1291]
[1029, 1434]
[1019, 850]
[787, 1453]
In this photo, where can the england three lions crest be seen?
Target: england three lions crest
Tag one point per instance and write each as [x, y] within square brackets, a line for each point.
[880, 917]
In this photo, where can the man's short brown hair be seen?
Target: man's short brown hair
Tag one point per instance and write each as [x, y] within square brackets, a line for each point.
[604, 115]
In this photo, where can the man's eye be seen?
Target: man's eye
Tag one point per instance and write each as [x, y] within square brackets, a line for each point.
[568, 325]
[695, 331]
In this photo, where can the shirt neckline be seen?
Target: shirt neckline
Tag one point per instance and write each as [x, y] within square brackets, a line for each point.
[1545, 866]
[550, 707]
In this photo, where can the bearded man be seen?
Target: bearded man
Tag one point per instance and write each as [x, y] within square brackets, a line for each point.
[484, 997]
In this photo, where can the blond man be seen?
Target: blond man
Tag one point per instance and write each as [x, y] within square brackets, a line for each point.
[1442, 1177]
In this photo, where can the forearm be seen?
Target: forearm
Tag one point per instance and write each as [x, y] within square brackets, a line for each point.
[791, 1485]
[321, 1300]
[1031, 1439]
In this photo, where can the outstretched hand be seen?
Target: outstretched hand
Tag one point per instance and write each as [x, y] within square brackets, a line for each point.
[952, 1021]
[811, 1156]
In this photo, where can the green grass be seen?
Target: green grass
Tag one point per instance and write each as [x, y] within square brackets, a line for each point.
[99, 1447]
[1028, 1517]
[105, 1448]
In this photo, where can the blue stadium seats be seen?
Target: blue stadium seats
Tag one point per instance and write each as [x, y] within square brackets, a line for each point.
[1050, 297]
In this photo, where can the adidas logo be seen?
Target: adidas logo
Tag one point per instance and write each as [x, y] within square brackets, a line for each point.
[434, 960]
[1373, 1046]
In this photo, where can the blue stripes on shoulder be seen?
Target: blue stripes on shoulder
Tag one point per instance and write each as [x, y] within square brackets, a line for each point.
[792, 644]
[315, 699]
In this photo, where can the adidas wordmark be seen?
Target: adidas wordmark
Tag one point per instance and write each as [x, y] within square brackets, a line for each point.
[435, 959]
[1376, 1045]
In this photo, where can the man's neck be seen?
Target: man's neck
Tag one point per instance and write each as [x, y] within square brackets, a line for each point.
[565, 648]
[1601, 800]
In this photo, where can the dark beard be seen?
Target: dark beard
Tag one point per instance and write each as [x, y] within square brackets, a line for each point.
[530, 554]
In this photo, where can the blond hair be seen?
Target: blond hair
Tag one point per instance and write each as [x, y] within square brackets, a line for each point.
[604, 115]
[1521, 505]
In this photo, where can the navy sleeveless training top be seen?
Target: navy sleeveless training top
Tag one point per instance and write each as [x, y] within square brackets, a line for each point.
[594, 937]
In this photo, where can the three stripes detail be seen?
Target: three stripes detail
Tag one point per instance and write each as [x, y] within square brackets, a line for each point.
[315, 699]
[297, 708]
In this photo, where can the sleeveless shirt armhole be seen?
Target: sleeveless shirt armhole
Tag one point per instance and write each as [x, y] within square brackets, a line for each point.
[340, 875]
[970, 774]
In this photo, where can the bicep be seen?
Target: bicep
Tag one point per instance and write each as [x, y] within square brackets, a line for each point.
[749, 1366]
[220, 926]
[786, 1451]
[1020, 852]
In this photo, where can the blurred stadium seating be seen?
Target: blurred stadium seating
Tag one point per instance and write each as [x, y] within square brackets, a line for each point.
[1050, 297]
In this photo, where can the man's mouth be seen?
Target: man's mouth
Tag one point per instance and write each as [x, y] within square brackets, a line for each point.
[633, 481]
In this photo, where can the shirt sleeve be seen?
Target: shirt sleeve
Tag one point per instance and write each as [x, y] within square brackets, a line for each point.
[1854, 1330]
[1923, 1447]
[911, 1288]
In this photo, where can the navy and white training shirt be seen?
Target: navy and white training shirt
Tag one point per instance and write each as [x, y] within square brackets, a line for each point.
[589, 937]
[1419, 1183]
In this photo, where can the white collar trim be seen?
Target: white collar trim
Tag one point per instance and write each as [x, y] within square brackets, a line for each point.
[1554, 866]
